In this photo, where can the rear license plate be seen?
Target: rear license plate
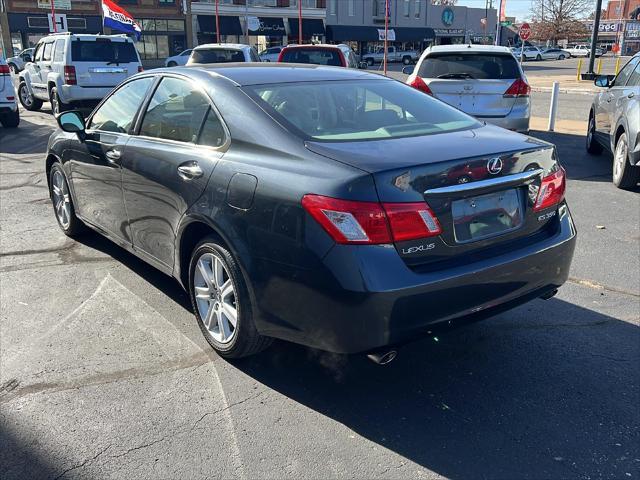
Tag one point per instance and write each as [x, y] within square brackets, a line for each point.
[485, 216]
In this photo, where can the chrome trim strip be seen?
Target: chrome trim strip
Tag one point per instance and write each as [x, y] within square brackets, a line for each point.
[490, 184]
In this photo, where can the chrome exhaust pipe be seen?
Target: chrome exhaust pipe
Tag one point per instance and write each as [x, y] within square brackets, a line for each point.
[382, 357]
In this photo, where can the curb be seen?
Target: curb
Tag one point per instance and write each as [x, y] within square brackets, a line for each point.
[574, 91]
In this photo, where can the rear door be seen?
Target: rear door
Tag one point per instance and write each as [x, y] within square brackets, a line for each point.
[473, 82]
[168, 164]
[610, 100]
[103, 62]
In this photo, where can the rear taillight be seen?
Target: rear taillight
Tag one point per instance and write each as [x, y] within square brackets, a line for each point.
[418, 83]
[70, 75]
[140, 69]
[281, 55]
[551, 190]
[371, 222]
[4, 70]
[519, 88]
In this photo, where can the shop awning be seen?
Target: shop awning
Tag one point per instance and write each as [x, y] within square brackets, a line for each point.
[268, 26]
[310, 27]
[228, 25]
[358, 33]
[406, 34]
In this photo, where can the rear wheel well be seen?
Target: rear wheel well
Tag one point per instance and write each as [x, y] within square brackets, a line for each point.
[50, 86]
[619, 132]
[191, 236]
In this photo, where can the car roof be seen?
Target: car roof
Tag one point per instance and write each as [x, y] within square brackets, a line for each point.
[270, 72]
[468, 48]
[85, 36]
[221, 46]
[317, 45]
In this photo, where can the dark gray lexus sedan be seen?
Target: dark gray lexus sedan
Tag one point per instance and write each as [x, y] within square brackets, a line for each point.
[325, 206]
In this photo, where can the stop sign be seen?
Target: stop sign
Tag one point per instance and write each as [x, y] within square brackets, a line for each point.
[525, 31]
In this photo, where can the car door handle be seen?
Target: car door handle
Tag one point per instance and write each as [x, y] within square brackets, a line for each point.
[190, 171]
[113, 156]
[631, 95]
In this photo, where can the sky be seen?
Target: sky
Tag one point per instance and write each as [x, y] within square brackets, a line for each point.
[521, 9]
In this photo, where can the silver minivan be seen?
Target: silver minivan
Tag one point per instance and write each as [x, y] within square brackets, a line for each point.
[481, 80]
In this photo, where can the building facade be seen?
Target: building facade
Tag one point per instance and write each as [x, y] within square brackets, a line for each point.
[413, 24]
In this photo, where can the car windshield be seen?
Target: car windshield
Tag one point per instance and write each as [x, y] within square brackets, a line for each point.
[355, 110]
[317, 56]
[103, 50]
[216, 55]
[478, 66]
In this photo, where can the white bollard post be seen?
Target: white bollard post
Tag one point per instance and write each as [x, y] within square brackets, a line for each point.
[553, 107]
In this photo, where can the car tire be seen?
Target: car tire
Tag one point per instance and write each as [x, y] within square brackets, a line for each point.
[62, 201]
[13, 68]
[370, 62]
[406, 60]
[625, 175]
[10, 120]
[172, 64]
[593, 146]
[538, 57]
[561, 57]
[57, 106]
[27, 100]
[218, 297]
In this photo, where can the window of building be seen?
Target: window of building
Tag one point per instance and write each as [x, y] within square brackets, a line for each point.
[405, 8]
[332, 7]
[351, 8]
[417, 8]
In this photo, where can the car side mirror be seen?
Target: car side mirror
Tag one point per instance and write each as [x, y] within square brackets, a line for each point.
[603, 81]
[363, 65]
[71, 122]
[408, 70]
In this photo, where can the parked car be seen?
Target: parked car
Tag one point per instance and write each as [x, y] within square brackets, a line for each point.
[222, 53]
[17, 62]
[394, 54]
[614, 122]
[179, 59]
[70, 70]
[555, 54]
[313, 204]
[530, 53]
[582, 51]
[484, 81]
[9, 113]
[331, 55]
[271, 54]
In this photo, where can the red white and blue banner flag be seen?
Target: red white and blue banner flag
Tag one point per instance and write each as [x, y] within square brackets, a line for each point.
[119, 19]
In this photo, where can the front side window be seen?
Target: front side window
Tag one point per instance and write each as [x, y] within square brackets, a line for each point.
[175, 112]
[46, 56]
[117, 113]
[58, 54]
[186, 53]
[462, 65]
[634, 79]
[357, 110]
[625, 73]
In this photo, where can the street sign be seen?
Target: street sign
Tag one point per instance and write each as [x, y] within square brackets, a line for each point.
[57, 24]
[506, 23]
[525, 31]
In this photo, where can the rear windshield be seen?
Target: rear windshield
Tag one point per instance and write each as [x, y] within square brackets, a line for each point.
[468, 65]
[354, 110]
[216, 56]
[103, 50]
[320, 56]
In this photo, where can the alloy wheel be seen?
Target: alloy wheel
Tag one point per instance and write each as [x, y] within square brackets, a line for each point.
[55, 103]
[620, 157]
[215, 295]
[25, 96]
[61, 199]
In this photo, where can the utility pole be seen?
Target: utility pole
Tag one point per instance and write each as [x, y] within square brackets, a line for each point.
[594, 36]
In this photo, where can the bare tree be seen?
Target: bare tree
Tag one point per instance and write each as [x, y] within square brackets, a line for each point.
[559, 19]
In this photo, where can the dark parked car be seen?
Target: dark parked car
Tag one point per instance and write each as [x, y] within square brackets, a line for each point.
[314, 204]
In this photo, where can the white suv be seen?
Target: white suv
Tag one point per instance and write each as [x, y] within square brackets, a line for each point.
[69, 69]
[9, 114]
[222, 53]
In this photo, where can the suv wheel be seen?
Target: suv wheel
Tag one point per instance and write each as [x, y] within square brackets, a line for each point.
[27, 100]
[406, 60]
[57, 107]
[221, 302]
[625, 175]
[592, 144]
[370, 62]
[63, 203]
[10, 120]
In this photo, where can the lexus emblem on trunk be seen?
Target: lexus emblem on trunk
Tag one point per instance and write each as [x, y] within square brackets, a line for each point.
[494, 165]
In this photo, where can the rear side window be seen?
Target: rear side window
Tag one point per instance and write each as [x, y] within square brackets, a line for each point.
[176, 111]
[467, 65]
[320, 56]
[103, 50]
[212, 132]
[58, 54]
[216, 56]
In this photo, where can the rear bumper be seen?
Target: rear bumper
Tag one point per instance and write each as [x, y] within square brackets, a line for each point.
[8, 107]
[75, 93]
[517, 120]
[366, 297]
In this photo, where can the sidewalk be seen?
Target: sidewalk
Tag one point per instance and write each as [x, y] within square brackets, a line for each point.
[568, 84]
[573, 127]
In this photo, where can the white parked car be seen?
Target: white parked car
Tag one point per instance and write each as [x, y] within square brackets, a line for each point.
[530, 53]
[222, 53]
[582, 51]
[17, 62]
[71, 70]
[178, 60]
[9, 113]
[271, 54]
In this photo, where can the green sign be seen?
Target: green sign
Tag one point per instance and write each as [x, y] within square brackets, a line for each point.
[506, 23]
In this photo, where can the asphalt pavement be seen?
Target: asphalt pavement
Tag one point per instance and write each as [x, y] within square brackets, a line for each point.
[105, 374]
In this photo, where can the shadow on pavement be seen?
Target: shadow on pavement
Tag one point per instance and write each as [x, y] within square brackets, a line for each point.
[549, 390]
[17, 460]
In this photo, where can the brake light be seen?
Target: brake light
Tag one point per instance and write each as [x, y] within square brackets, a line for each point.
[4, 70]
[140, 69]
[418, 83]
[371, 222]
[519, 88]
[70, 75]
[551, 190]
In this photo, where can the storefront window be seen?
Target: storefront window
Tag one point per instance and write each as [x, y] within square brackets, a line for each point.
[161, 38]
